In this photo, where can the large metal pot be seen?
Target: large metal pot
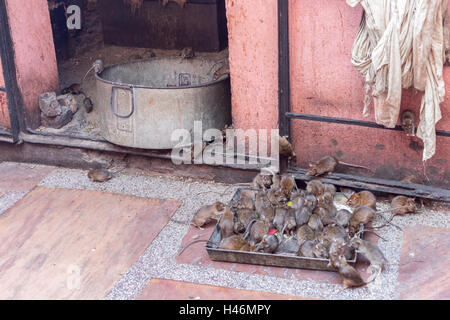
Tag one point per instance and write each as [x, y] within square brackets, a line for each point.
[142, 103]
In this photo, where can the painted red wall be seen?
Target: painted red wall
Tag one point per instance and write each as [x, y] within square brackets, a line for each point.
[4, 115]
[34, 53]
[323, 82]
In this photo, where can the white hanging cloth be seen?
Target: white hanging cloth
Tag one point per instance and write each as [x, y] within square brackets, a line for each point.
[403, 44]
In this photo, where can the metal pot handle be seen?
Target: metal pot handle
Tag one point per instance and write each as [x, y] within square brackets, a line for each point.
[113, 89]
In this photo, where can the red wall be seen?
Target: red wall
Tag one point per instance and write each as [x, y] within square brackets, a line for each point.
[34, 53]
[4, 115]
[323, 82]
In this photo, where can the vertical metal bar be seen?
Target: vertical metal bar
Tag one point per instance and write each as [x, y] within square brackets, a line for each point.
[284, 95]
[9, 71]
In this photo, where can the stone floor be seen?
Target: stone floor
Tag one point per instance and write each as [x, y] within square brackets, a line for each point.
[64, 237]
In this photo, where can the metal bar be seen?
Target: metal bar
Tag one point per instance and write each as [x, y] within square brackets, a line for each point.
[284, 95]
[368, 124]
[378, 185]
[13, 94]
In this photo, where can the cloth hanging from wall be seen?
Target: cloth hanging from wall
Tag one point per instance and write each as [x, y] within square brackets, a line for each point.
[403, 44]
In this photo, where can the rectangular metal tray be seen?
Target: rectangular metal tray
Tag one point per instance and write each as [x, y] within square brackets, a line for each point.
[266, 259]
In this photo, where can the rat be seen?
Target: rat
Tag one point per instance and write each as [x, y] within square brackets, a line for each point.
[286, 149]
[343, 217]
[234, 242]
[245, 216]
[320, 251]
[326, 213]
[102, 175]
[247, 193]
[315, 187]
[304, 233]
[288, 246]
[408, 123]
[402, 201]
[278, 220]
[269, 244]
[276, 197]
[412, 179]
[334, 232]
[267, 214]
[74, 88]
[297, 201]
[244, 203]
[261, 201]
[315, 223]
[226, 224]
[287, 185]
[307, 249]
[361, 215]
[276, 181]
[207, 214]
[350, 276]
[256, 229]
[289, 222]
[303, 215]
[311, 201]
[372, 253]
[363, 198]
[327, 165]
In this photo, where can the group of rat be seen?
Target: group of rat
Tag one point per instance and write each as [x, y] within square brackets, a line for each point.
[274, 216]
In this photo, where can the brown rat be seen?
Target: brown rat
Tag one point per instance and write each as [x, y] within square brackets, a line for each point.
[248, 193]
[303, 215]
[262, 201]
[102, 175]
[278, 220]
[326, 213]
[235, 242]
[286, 149]
[244, 203]
[350, 276]
[289, 222]
[315, 187]
[207, 214]
[297, 201]
[288, 246]
[227, 223]
[412, 179]
[257, 229]
[361, 215]
[307, 249]
[363, 198]
[269, 244]
[315, 223]
[276, 197]
[245, 216]
[311, 201]
[267, 214]
[328, 164]
[304, 233]
[402, 201]
[287, 185]
[408, 123]
[343, 217]
[372, 253]
[334, 232]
